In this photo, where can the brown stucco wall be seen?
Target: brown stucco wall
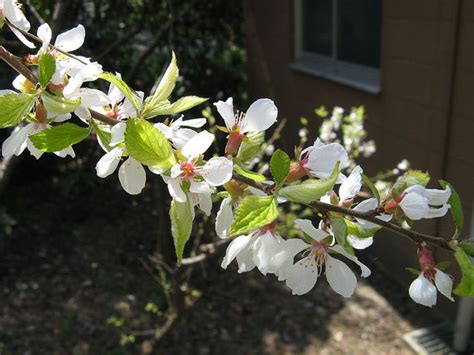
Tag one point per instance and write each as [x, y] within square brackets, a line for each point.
[425, 109]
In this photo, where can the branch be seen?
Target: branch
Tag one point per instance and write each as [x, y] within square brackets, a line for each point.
[368, 216]
[16, 63]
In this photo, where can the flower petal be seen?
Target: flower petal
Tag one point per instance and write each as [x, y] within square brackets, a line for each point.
[132, 176]
[444, 284]
[226, 110]
[175, 190]
[44, 32]
[365, 271]
[306, 226]
[352, 185]
[71, 40]
[109, 162]
[414, 206]
[224, 218]
[234, 248]
[194, 123]
[118, 133]
[340, 277]
[260, 116]
[16, 143]
[264, 249]
[302, 276]
[359, 243]
[198, 144]
[422, 291]
[323, 158]
[217, 171]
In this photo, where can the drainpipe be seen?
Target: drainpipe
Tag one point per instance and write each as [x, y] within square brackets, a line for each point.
[462, 328]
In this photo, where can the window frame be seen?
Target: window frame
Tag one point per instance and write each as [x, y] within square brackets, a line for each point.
[359, 76]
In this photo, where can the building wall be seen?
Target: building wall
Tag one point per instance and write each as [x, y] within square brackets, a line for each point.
[425, 109]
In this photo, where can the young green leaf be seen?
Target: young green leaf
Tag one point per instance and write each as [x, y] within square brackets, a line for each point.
[14, 107]
[410, 178]
[456, 207]
[59, 105]
[59, 137]
[254, 212]
[280, 166]
[183, 104]
[167, 83]
[413, 271]
[358, 231]
[310, 190]
[443, 265]
[123, 87]
[339, 229]
[47, 67]
[250, 147]
[249, 174]
[371, 186]
[468, 248]
[182, 216]
[104, 137]
[147, 144]
[466, 286]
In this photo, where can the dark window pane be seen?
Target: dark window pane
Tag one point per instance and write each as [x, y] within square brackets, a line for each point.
[359, 23]
[317, 26]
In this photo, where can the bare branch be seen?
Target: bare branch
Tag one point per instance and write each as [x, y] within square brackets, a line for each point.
[16, 63]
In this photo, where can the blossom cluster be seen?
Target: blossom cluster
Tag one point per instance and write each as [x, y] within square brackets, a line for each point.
[53, 108]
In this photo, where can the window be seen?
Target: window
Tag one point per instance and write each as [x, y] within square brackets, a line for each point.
[339, 40]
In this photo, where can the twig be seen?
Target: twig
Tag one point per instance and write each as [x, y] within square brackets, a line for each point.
[16, 64]
[37, 39]
[206, 250]
[368, 216]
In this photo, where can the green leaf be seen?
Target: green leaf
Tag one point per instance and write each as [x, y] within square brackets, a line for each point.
[250, 147]
[310, 190]
[413, 271]
[339, 229]
[249, 174]
[59, 105]
[59, 137]
[466, 286]
[467, 247]
[280, 166]
[410, 178]
[147, 144]
[123, 87]
[103, 136]
[167, 108]
[167, 83]
[358, 231]
[372, 187]
[443, 265]
[254, 212]
[456, 207]
[181, 215]
[14, 107]
[47, 67]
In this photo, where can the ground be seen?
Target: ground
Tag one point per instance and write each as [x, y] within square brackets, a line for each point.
[72, 282]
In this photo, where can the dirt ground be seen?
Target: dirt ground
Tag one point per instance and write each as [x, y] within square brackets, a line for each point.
[71, 282]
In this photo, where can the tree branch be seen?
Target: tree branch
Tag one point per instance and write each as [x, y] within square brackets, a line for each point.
[16, 63]
[368, 216]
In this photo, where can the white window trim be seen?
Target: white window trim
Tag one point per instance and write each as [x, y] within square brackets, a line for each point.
[355, 75]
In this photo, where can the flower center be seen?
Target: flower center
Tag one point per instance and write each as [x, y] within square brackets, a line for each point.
[187, 170]
[319, 251]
